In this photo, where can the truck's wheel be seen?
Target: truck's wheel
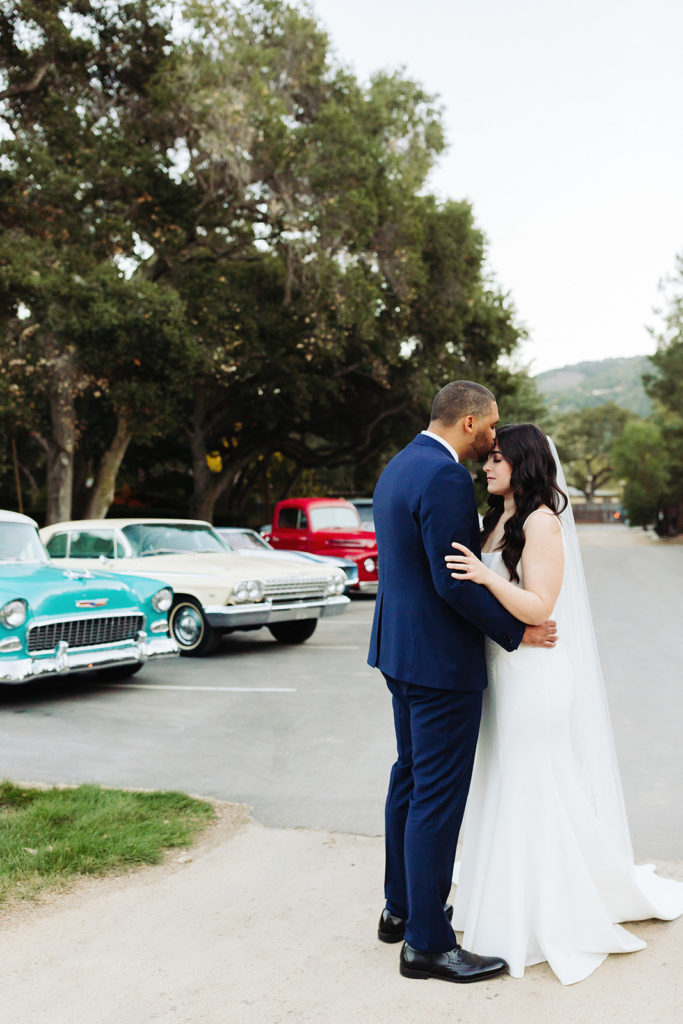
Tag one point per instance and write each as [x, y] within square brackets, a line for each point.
[293, 632]
[190, 629]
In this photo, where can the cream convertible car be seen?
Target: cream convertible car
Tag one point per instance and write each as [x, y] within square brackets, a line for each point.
[216, 590]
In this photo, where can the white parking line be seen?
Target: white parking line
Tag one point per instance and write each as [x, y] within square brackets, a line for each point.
[207, 689]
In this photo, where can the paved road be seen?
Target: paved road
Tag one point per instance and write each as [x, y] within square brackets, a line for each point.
[304, 734]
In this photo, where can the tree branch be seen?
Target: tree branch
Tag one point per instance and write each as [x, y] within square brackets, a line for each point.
[42, 441]
[18, 90]
[331, 456]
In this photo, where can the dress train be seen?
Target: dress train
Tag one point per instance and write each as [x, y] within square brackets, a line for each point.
[540, 879]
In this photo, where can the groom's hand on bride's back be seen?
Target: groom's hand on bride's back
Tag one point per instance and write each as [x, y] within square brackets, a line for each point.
[544, 635]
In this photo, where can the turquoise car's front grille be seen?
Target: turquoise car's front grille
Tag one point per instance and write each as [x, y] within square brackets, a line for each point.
[85, 632]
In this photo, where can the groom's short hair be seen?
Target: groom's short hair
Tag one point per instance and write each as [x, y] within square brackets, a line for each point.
[461, 398]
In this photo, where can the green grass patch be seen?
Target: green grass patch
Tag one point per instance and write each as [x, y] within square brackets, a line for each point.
[51, 836]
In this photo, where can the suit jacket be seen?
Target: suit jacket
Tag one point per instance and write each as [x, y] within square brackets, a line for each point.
[429, 628]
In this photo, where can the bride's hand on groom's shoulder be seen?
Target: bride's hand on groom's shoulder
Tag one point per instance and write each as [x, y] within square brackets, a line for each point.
[466, 566]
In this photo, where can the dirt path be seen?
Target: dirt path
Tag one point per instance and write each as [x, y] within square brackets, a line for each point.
[273, 926]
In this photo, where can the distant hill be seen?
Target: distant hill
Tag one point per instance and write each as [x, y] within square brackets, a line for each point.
[585, 385]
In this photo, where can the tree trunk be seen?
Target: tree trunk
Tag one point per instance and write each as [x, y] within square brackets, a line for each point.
[208, 486]
[204, 501]
[293, 479]
[105, 482]
[32, 482]
[17, 480]
[201, 505]
[265, 467]
[60, 449]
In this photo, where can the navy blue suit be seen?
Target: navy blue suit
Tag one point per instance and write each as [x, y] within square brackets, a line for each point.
[428, 641]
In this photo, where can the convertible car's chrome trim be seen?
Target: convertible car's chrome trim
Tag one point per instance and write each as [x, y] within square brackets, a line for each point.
[63, 661]
[235, 616]
[290, 611]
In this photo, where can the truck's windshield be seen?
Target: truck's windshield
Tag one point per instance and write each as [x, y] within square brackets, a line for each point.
[333, 517]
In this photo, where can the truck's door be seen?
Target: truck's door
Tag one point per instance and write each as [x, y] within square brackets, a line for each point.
[291, 529]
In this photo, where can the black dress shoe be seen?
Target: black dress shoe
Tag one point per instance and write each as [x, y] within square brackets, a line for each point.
[392, 929]
[455, 965]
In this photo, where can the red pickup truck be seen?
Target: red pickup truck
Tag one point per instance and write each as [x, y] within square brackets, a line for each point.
[326, 526]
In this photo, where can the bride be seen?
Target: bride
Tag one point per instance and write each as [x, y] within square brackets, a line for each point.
[547, 866]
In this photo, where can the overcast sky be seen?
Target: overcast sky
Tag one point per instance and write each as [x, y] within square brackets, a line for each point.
[564, 123]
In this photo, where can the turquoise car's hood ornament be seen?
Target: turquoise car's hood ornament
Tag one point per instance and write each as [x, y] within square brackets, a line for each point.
[78, 574]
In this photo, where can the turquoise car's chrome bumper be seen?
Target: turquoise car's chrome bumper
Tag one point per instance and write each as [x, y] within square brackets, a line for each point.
[65, 659]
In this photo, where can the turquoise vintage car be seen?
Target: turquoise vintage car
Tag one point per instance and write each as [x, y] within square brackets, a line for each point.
[55, 620]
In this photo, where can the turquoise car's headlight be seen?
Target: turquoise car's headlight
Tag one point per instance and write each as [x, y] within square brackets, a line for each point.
[13, 614]
[162, 600]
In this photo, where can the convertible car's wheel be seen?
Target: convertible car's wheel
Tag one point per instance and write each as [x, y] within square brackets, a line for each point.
[293, 632]
[189, 628]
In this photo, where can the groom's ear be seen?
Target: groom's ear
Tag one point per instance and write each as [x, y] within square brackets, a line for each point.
[468, 424]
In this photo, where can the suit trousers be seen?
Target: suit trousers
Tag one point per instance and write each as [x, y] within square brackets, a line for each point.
[436, 737]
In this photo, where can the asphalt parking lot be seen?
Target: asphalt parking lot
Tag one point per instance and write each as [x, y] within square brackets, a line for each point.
[303, 735]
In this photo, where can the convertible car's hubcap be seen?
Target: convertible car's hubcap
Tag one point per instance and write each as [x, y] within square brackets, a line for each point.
[187, 627]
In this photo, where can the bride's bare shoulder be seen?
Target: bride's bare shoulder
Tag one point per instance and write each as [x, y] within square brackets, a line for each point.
[543, 522]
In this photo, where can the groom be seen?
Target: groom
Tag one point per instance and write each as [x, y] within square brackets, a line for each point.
[428, 641]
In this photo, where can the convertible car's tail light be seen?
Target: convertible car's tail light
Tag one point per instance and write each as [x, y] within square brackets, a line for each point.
[13, 614]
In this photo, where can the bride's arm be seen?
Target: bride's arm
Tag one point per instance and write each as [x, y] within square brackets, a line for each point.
[542, 569]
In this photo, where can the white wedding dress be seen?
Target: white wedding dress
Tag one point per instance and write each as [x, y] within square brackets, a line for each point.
[542, 876]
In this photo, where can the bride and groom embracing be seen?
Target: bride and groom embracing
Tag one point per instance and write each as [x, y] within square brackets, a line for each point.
[547, 867]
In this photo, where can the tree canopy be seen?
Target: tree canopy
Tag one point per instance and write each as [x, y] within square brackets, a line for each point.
[86, 140]
[215, 239]
[585, 439]
[664, 384]
[637, 458]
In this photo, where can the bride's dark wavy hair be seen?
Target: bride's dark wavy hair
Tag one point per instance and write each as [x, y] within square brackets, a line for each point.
[533, 482]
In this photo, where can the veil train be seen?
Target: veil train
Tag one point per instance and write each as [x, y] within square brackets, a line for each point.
[591, 727]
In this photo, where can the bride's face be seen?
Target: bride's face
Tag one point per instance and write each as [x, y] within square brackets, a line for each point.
[498, 473]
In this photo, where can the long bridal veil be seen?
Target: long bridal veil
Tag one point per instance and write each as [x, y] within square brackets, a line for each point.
[591, 728]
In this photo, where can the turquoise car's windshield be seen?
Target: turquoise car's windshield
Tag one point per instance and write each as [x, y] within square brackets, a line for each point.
[171, 538]
[19, 542]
